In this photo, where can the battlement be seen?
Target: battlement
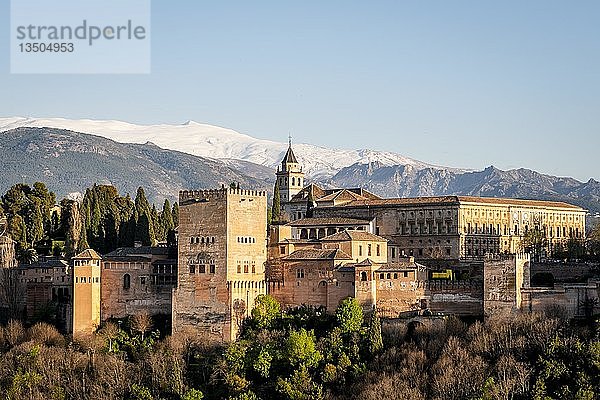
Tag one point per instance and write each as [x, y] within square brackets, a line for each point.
[187, 195]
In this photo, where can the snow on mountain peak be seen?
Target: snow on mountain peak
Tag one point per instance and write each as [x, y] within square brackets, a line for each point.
[221, 143]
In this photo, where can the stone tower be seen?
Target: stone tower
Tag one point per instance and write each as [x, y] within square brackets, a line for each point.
[86, 292]
[221, 260]
[289, 176]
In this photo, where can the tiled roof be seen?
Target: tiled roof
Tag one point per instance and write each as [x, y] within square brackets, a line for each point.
[516, 202]
[138, 251]
[345, 268]
[316, 254]
[127, 258]
[303, 194]
[353, 235]
[456, 200]
[342, 195]
[334, 221]
[46, 264]
[89, 254]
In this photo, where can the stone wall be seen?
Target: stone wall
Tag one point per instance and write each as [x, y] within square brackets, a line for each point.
[567, 272]
[504, 278]
[141, 296]
[570, 300]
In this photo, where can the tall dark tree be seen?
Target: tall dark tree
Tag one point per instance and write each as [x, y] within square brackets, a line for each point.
[166, 219]
[276, 209]
[175, 215]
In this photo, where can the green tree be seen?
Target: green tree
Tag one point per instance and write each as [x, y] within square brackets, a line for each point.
[276, 209]
[300, 349]
[349, 315]
[166, 219]
[175, 214]
[374, 338]
[192, 394]
[266, 310]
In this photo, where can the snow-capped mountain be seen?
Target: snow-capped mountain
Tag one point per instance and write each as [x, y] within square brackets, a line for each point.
[221, 143]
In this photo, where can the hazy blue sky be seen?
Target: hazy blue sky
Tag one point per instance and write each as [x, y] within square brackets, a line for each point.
[458, 83]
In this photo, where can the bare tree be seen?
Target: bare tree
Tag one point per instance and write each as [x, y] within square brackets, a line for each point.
[141, 323]
[109, 331]
[12, 292]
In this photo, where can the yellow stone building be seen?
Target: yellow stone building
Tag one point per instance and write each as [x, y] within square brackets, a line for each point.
[86, 292]
[443, 227]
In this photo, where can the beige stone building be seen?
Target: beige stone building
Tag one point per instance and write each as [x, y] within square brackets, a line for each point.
[221, 259]
[442, 227]
[86, 292]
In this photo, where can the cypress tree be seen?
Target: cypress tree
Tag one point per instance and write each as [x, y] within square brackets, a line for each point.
[166, 218]
[276, 210]
[374, 334]
[175, 215]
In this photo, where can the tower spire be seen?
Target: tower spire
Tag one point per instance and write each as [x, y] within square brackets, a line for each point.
[290, 139]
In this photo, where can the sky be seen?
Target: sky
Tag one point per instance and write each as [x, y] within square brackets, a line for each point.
[457, 83]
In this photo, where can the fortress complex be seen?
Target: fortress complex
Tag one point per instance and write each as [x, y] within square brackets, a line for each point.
[449, 254]
[430, 228]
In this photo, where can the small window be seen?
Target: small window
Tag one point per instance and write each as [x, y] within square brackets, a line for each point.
[212, 268]
[201, 269]
[192, 269]
[368, 250]
[389, 276]
[126, 281]
[381, 276]
[282, 250]
[142, 280]
[395, 275]
[378, 250]
[360, 250]
[363, 276]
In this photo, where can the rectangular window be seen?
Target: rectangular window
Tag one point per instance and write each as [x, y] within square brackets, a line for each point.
[192, 269]
[282, 250]
[378, 250]
[201, 269]
[368, 250]
[212, 268]
[393, 252]
[142, 280]
[360, 250]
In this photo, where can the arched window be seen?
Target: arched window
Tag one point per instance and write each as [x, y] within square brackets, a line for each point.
[126, 281]
[293, 181]
[363, 276]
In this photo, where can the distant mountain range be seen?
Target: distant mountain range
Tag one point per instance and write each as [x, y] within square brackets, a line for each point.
[69, 162]
[195, 155]
[210, 141]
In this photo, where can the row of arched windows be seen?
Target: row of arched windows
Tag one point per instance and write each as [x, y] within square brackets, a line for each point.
[202, 240]
[248, 285]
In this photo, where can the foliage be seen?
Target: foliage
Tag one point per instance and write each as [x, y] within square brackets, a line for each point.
[266, 310]
[349, 315]
[276, 209]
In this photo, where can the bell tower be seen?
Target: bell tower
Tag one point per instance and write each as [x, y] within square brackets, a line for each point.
[289, 176]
